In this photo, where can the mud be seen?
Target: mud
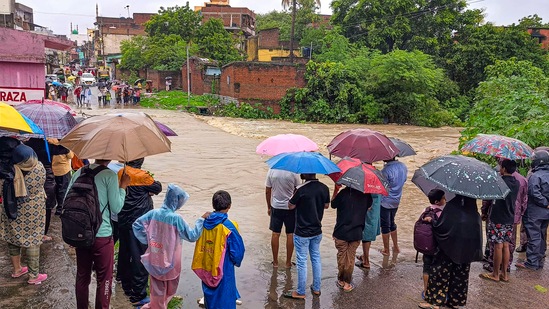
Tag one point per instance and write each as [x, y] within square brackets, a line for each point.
[219, 153]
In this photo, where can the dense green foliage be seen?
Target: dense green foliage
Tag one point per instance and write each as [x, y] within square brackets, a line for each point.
[169, 34]
[514, 102]
[176, 100]
[305, 14]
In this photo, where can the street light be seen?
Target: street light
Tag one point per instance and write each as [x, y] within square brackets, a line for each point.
[127, 7]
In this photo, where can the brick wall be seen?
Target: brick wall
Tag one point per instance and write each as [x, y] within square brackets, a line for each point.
[158, 78]
[542, 35]
[260, 81]
[269, 38]
[200, 83]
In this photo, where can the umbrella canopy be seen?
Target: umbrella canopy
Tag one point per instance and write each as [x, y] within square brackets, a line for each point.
[364, 178]
[344, 164]
[123, 137]
[303, 162]
[364, 144]
[404, 149]
[282, 143]
[56, 83]
[55, 121]
[14, 121]
[498, 146]
[542, 148]
[165, 129]
[426, 185]
[71, 77]
[465, 176]
[51, 102]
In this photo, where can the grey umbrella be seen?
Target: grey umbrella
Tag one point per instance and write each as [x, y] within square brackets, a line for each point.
[465, 176]
[426, 185]
[404, 149]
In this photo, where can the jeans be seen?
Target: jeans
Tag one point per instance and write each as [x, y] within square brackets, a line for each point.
[303, 247]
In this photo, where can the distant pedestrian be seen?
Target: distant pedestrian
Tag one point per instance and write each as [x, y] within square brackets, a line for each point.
[77, 94]
[88, 94]
[309, 200]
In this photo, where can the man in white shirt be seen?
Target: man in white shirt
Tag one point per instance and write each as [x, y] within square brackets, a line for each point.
[279, 188]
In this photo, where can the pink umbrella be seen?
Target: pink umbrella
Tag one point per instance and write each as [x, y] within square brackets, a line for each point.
[51, 102]
[282, 143]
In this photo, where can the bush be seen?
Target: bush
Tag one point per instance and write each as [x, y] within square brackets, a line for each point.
[174, 100]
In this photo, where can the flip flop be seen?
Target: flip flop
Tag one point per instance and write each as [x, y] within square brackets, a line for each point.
[24, 270]
[488, 277]
[339, 284]
[359, 257]
[349, 290]
[428, 306]
[503, 279]
[359, 264]
[290, 294]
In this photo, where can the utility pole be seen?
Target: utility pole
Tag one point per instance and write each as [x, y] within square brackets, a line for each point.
[188, 79]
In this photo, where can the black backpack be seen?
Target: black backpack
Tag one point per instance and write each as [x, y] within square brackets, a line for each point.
[81, 215]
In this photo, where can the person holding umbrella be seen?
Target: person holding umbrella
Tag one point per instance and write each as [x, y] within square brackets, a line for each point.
[396, 173]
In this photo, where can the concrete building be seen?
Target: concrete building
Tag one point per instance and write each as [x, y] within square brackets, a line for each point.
[16, 15]
[541, 35]
[266, 46]
[22, 63]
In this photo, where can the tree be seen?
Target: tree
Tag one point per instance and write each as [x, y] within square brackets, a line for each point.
[513, 101]
[216, 43]
[132, 53]
[399, 24]
[178, 20]
[275, 19]
[285, 4]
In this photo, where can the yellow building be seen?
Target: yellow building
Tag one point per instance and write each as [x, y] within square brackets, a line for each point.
[266, 45]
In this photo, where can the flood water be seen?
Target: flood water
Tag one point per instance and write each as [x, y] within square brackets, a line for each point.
[213, 154]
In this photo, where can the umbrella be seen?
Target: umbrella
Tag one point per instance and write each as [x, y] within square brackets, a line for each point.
[281, 143]
[115, 87]
[13, 121]
[56, 83]
[123, 137]
[542, 148]
[67, 85]
[55, 121]
[465, 176]
[303, 162]
[51, 102]
[426, 185]
[71, 77]
[404, 148]
[364, 178]
[344, 164]
[165, 129]
[364, 144]
[498, 146]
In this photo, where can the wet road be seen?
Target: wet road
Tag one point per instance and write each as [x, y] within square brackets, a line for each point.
[218, 153]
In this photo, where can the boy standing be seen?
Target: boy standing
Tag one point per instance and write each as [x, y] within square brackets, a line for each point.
[163, 230]
[437, 199]
[217, 252]
[500, 228]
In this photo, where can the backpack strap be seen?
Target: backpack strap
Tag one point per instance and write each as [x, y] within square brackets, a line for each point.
[94, 173]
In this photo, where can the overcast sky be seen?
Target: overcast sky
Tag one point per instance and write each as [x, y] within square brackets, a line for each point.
[59, 16]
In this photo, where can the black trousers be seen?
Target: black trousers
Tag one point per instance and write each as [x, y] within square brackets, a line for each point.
[131, 271]
[448, 282]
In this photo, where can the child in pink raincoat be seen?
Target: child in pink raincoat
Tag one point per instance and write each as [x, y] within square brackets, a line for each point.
[163, 231]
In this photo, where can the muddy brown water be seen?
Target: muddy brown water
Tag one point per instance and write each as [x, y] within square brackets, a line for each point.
[211, 154]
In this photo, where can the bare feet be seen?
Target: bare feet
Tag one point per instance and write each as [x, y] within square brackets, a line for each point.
[385, 252]
[396, 250]
[275, 264]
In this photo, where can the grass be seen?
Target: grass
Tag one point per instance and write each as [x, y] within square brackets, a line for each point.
[176, 100]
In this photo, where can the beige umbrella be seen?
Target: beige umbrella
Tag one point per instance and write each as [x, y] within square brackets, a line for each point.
[123, 137]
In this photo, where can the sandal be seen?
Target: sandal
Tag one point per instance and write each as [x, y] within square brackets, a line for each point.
[349, 289]
[503, 279]
[426, 305]
[359, 264]
[488, 277]
[290, 294]
[339, 285]
[21, 272]
[46, 238]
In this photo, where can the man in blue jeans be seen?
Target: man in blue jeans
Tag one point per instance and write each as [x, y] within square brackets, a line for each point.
[309, 200]
[395, 172]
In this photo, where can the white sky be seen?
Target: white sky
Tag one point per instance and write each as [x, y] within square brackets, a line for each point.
[58, 14]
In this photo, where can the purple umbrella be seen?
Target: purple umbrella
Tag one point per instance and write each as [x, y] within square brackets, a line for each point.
[165, 129]
[54, 120]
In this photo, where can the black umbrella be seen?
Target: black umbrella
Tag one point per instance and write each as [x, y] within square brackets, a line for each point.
[426, 185]
[404, 149]
[465, 176]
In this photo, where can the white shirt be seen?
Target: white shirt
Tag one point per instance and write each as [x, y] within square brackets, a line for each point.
[282, 184]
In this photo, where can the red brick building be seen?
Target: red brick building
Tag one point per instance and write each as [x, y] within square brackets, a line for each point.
[234, 19]
[542, 35]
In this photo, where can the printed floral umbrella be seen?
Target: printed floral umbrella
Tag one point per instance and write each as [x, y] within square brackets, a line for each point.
[364, 178]
[464, 176]
[498, 146]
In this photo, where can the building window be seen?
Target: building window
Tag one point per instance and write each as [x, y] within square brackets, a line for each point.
[237, 87]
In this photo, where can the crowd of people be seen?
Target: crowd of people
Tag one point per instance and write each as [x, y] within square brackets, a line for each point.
[150, 238]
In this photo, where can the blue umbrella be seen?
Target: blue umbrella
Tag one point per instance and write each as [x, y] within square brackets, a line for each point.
[56, 83]
[303, 163]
